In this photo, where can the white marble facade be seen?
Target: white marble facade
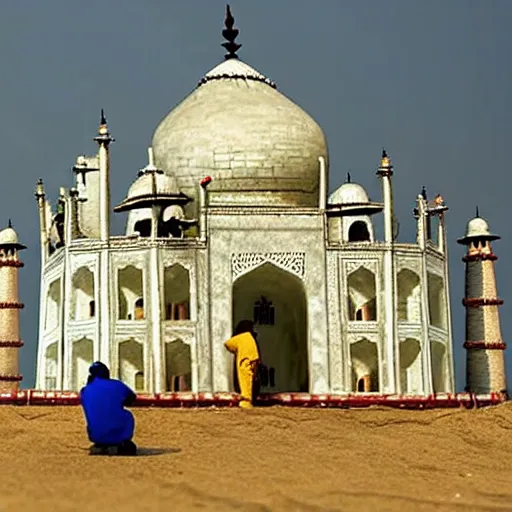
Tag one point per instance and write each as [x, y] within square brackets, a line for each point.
[337, 310]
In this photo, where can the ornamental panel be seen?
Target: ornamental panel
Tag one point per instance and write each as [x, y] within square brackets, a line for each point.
[293, 262]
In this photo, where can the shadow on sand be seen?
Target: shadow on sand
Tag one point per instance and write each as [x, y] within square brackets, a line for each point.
[149, 452]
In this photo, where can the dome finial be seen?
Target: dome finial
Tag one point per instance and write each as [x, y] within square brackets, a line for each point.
[477, 213]
[348, 177]
[10, 223]
[230, 34]
[424, 192]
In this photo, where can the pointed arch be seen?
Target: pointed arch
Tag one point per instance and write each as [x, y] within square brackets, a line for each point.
[409, 296]
[53, 305]
[362, 297]
[82, 354]
[131, 364]
[176, 292]
[364, 358]
[284, 342]
[410, 366]
[438, 351]
[130, 293]
[50, 366]
[82, 295]
[359, 232]
[436, 301]
[178, 366]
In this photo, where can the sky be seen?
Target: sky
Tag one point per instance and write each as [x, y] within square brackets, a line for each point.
[430, 81]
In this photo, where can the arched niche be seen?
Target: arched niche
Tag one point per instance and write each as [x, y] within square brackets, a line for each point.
[436, 301]
[409, 296]
[53, 303]
[364, 357]
[410, 366]
[83, 305]
[283, 344]
[438, 357]
[359, 232]
[176, 292]
[362, 299]
[50, 367]
[82, 354]
[130, 293]
[178, 366]
[131, 364]
[143, 227]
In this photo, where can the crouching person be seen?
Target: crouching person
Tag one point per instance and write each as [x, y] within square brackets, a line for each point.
[109, 425]
[243, 345]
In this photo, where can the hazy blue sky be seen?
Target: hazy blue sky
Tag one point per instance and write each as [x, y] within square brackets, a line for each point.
[430, 81]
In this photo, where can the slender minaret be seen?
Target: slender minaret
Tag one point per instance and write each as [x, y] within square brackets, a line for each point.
[485, 362]
[10, 342]
[104, 139]
[42, 205]
[385, 172]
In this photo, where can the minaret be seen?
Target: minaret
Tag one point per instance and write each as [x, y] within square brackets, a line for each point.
[10, 342]
[42, 205]
[385, 172]
[104, 139]
[485, 362]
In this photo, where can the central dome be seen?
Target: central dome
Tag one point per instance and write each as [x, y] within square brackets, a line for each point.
[259, 147]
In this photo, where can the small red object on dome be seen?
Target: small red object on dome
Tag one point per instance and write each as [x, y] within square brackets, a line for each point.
[206, 181]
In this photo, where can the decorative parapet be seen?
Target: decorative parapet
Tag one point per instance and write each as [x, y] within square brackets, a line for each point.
[228, 399]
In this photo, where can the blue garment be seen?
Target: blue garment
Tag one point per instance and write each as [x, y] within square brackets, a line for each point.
[103, 401]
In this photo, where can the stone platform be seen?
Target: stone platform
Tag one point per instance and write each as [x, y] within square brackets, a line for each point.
[345, 401]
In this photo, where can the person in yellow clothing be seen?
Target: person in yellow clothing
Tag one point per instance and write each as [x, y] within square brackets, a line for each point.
[243, 344]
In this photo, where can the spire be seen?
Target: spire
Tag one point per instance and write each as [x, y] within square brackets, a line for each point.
[348, 177]
[230, 34]
[103, 133]
[477, 213]
[385, 168]
[424, 192]
[10, 223]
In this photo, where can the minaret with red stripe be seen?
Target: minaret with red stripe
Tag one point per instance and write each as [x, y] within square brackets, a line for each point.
[10, 306]
[485, 361]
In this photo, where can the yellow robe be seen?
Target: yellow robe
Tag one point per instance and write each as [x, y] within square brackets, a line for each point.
[247, 358]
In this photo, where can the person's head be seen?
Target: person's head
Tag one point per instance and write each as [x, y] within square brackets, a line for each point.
[245, 326]
[98, 370]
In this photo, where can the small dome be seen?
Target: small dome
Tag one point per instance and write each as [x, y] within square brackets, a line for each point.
[349, 193]
[152, 187]
[477, 228]
[8, 237]
[152, 183]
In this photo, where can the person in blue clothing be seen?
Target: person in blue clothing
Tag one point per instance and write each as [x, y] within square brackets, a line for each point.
[109, 425]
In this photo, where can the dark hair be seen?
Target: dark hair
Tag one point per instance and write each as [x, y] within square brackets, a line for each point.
[98, 370]
[244, 326]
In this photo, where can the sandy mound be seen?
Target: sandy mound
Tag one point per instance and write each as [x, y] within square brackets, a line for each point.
[262, 460]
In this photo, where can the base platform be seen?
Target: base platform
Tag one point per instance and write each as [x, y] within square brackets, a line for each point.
[193, 400]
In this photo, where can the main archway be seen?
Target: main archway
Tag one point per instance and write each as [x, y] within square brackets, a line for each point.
[276, 301]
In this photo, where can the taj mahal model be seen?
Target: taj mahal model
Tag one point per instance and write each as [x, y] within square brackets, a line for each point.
[230, 220]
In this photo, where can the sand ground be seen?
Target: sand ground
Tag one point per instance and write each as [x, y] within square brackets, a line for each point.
[271, 459]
